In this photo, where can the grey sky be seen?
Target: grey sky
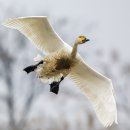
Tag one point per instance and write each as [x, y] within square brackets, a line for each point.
[111, 19]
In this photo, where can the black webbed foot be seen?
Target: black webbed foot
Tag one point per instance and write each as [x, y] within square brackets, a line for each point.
[32, 67]
[54, 86]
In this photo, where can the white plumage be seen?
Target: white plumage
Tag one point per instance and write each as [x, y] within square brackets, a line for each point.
[96, 87]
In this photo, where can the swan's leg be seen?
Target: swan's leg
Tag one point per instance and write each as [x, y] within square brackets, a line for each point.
[32, 67]
[54, 87]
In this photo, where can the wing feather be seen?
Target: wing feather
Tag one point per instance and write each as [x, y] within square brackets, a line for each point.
[99, 91]
[39, 31]
[95, 86]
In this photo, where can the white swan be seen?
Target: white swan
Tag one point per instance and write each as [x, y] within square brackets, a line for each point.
[95, 86]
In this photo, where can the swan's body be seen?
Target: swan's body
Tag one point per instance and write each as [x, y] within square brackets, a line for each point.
[56, 65]
[95, 86]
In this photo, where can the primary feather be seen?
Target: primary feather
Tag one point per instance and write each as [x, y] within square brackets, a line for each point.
[95, 86]
[39, 31]
[99, 91]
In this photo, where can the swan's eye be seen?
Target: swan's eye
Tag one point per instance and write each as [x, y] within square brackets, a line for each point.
[82, 37]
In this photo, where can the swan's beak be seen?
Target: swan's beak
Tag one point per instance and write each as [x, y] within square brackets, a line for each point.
[87, 40]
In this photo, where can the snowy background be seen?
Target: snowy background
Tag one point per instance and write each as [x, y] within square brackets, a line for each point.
[26, 103]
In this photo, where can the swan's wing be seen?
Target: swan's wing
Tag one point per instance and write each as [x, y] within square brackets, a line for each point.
[39, 31]
[99, 91]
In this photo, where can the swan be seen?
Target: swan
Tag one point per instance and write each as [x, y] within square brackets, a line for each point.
[61, 60]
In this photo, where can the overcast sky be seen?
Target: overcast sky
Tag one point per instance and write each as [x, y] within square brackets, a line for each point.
[105, 22]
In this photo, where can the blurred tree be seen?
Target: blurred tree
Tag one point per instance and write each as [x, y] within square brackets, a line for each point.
[7, 62]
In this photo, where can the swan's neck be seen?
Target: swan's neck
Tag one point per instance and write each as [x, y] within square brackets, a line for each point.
[74, 50]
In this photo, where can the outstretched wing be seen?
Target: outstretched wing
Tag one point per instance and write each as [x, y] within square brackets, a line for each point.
[39, 31]
[99, 91]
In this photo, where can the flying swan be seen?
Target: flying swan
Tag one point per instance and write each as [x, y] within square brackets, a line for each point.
[62, 60]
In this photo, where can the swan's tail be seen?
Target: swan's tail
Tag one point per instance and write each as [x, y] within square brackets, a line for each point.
[38, 58]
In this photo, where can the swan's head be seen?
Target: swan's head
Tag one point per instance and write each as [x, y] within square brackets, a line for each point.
[82, 39]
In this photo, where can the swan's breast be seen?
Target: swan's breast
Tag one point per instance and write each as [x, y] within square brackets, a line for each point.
[63, 63]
